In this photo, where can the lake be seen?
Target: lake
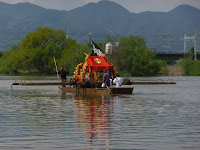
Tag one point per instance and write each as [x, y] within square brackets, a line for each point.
[155, 117]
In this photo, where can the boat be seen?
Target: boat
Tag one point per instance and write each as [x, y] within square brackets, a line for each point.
[88, 75]
[97, 91]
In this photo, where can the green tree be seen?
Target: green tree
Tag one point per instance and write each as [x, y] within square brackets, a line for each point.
[42, 45]
[134, 58]
[36, 51]
[10, 61]
[190, 67]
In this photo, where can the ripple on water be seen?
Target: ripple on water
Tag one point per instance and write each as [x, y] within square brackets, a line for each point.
[154, 117]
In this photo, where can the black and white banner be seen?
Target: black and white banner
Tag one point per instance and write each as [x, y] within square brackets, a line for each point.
[95, 50]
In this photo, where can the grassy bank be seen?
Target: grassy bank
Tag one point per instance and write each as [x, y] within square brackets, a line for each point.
[174, 70]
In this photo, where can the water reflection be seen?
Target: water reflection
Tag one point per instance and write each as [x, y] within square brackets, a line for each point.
[154, 117]
[93, 117]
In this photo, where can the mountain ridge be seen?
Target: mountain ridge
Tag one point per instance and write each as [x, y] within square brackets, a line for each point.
[102, 18]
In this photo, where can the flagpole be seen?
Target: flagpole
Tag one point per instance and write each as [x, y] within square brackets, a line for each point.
[90, 38]
[90, 43]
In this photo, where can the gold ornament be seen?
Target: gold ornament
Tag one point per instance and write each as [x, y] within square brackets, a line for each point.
[97, 60]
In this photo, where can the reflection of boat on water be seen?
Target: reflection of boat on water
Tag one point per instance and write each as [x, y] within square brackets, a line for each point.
[93, 118]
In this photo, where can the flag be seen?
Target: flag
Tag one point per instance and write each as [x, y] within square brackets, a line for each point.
[95, 50]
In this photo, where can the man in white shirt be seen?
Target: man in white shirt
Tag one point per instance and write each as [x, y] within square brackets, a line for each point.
[118, 81]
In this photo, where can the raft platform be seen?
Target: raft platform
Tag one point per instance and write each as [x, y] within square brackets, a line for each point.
[98, 84]
[93, 88]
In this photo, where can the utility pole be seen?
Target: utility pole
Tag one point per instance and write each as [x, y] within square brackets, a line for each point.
[194, 38]
[195, 47]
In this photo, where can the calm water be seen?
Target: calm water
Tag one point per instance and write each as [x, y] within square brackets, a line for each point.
[155, 117]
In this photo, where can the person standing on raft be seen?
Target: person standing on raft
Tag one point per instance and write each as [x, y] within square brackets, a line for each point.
[118, 81]
[106, 79]
[63, 75]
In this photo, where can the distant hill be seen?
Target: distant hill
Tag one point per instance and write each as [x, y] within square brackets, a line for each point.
[160, 29]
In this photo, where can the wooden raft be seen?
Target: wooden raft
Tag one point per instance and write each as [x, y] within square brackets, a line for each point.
[97, 91]
[91, 83]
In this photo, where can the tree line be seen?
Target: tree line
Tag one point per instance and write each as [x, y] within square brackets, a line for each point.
[190, 66]
[35, 52]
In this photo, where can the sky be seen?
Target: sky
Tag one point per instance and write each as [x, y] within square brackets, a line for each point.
[135, 6]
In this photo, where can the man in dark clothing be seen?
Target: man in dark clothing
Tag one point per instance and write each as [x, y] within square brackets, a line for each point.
[63, 75]
[106, 78]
